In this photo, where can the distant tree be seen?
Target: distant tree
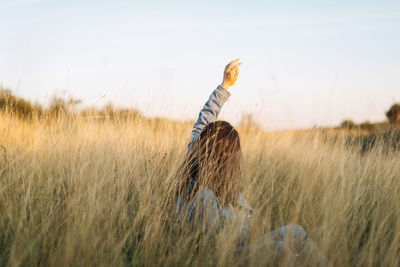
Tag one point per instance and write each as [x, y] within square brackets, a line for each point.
[348, 124]
[73, 102]
[393, 114]
[12, 104]
[60, 106]
[7, 100]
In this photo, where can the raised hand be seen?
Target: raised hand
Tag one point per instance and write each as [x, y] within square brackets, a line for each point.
[231, 74]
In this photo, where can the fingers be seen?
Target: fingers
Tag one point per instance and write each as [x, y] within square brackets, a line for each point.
[235, 72]
[231, 64]
[237, 65]
[231, 73]
[236, 69]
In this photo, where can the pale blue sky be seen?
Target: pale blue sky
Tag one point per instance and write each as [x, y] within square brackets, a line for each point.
[305, 63]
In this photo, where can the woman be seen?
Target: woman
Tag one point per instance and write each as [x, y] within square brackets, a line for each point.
[209, 186]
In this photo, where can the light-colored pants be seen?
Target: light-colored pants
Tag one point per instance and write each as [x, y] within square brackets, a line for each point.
[288, 246]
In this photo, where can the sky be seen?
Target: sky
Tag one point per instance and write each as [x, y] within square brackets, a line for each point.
[305, 63]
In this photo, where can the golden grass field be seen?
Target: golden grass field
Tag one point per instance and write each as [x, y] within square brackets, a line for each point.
[81, 192]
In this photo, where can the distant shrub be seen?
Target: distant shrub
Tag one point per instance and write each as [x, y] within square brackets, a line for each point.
[110, 112]
[367, 126]
[388, 141]
[348, 124]
[393, 114]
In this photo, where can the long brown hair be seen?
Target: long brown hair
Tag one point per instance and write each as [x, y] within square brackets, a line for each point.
[214, 161]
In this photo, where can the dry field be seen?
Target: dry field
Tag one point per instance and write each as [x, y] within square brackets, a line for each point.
[78, 192]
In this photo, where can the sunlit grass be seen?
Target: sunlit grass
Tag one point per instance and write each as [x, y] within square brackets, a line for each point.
[79, 192]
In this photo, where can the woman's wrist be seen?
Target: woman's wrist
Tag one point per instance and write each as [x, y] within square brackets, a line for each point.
[225, 86]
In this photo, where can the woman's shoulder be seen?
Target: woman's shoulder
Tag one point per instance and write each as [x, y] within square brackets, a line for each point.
[204, 197]
[207, 193]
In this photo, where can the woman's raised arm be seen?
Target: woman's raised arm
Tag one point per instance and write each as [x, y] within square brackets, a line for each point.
[218, 97]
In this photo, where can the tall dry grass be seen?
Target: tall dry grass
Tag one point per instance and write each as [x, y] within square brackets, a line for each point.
[75, 192]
